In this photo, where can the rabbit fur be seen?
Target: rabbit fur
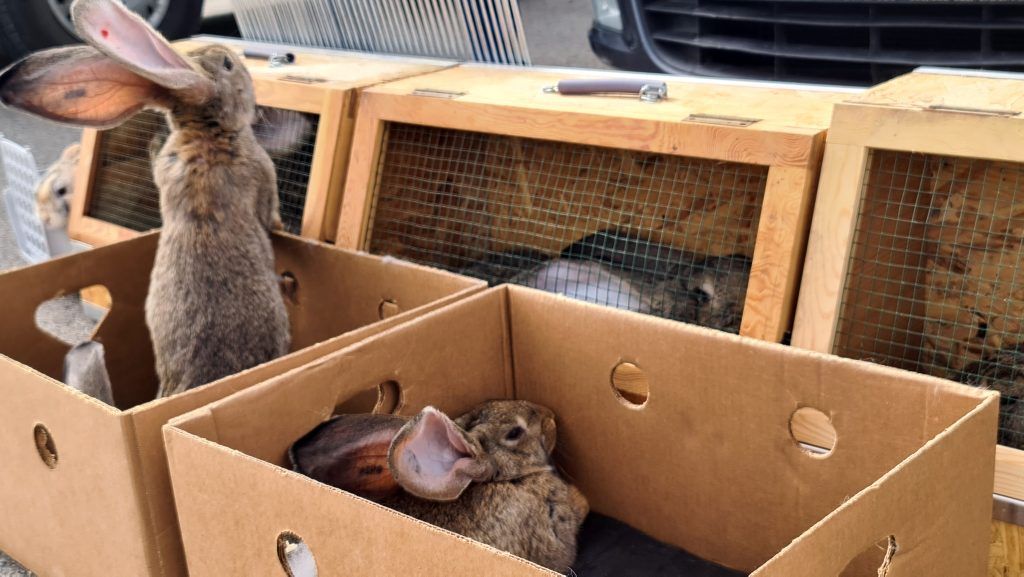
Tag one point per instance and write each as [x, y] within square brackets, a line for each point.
[56, 189]
[498, 485]
[214, 306]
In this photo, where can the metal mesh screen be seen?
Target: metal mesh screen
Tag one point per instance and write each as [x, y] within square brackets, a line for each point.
[123, 190]
[658, 234]
[479, 30]
[933, 283]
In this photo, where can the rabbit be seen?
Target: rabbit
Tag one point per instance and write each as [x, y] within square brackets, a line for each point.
[56, 189]
[85, 369]
[487, 475]
[214, 307]
[498, 268]
[587, 281]
[719, 289]
[1002, 371]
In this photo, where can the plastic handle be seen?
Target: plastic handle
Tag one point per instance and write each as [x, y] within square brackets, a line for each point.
[647, 90]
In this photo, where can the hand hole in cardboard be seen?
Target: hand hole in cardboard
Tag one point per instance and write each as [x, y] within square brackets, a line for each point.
[813, 432]
[630, 384]
[45, 445]
[385, 398]
[296, 558]
[387, 309]
[289, 287]
[873, 561]
[74, 317]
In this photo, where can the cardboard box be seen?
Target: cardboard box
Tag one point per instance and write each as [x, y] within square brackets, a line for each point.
[106, 508]
[709, 463]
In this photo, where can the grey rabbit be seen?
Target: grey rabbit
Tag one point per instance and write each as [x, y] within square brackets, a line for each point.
[214, 306]
[85, 369]
[487, 475]
[1002, 371]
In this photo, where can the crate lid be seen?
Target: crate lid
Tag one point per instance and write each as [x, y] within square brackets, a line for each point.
[774, 106]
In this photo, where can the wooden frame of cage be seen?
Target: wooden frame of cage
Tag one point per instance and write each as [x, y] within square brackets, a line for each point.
[321, 83]
[779, 128]
[932, 112]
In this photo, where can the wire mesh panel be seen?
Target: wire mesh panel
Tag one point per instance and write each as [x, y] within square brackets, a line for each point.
[935, 282]
[123, 191]
[20, 201]
[659, 234]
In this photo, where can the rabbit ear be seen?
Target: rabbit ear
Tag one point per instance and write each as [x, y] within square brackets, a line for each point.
[77, 85]
[126, 38]
[86, 370]
[350, 452]
[432, 458]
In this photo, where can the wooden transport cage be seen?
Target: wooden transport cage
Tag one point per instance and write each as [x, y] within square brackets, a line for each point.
[477, 169]
[916, 252]
[305, 113]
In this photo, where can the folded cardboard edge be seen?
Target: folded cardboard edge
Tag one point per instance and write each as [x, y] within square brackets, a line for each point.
[817, 551]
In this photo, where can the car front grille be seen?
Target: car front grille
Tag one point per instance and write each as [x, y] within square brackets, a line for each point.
[844, 42]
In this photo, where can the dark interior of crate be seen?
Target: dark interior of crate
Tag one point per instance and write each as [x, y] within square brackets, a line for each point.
[660, 234]
[935, 283]
[123, 192]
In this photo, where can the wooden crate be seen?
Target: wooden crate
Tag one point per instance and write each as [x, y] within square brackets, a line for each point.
[472, 162]
[916, 243]
[119, 200]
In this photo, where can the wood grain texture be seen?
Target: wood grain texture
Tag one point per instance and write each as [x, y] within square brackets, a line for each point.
[321, 187]
[360, 182]
[779, 250]
[88, 158]
[1007, 552]
[828, 247]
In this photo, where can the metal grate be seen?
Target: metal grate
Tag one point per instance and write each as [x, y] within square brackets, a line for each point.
[20, 201]
[659, 234]
[839, 41]
[123, 190]
[478, 30]
[933, 283]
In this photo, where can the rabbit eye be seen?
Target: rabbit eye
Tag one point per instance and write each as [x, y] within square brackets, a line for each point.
[228, 64]
[514, 433]
[62, 191]
[700, 296]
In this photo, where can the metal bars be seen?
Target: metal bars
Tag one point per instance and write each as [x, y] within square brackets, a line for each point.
[472, 30]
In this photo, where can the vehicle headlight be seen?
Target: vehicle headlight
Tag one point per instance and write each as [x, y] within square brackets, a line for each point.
[608, 14]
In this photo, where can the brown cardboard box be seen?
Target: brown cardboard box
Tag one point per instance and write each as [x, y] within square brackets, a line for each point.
[106, 507]
[708, 464]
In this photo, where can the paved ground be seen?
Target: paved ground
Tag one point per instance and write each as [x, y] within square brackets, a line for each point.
[557, 35]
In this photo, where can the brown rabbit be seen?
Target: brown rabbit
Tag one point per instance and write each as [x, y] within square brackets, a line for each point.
[487, 475]
[56, 189]
[214, 306]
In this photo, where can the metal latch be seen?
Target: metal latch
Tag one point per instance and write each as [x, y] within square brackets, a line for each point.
[436, 93]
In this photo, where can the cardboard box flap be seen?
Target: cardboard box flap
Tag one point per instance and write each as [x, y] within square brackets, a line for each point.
[374, 288]
[908, 507]
[124, 270]
[728, 402]
[468, 364]
[288, 502]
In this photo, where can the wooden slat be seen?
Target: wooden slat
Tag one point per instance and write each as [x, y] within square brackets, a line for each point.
[84, 176]
[928, 131]
[779, 250]
[319, 189]
[828, 247]
[1007, 552]
[360, 180]
[790, 147]
[339, 169]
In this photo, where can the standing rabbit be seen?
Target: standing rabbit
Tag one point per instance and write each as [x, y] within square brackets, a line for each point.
[487, 475]
[56, 189]
[214, 307]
